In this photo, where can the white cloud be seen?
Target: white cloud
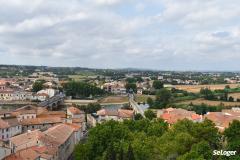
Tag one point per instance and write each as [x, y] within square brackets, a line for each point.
[120, 33]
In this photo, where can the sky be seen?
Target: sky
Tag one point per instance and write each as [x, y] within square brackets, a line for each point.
[149, 34]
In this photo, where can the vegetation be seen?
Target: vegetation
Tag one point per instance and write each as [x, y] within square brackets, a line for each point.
[149, 114]
[90, 108]
[82, 90]
[232, 135]
[152, 140]
[38, 85]
[131, 87]
[157, 84]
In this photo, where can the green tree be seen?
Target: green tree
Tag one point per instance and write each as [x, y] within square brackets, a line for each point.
[138, 116]
[38, 85]
[82, 89]
[163, 96]
[130, 154]
[232, 134]
[157, 84]
[90, 108]
[131, 87]
[150, 101]
[149, 114]
[231, 99]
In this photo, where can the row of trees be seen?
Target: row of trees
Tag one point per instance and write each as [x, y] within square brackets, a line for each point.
[222, 95]
[82, 89]
[154, 140]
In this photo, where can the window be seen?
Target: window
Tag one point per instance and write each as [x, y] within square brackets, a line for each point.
[2, 136]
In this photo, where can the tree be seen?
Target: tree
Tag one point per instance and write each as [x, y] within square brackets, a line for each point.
[150, 101]
[138, 116]
[149, 114]
[157, 84]
[231, 99]
[163, 96]
[131, 80]
[90, 108]
[110, 153]
[131, 87]
[232, 134]
[207, 93]
[38, 85]
[130, 154]
[81, 89]
[199, 151]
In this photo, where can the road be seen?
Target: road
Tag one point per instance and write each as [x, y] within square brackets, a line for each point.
[137, 108]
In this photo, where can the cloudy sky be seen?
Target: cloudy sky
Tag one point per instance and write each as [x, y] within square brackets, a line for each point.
[156, 34]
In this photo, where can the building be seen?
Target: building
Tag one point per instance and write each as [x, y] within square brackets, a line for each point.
[50, 92]
[9, 127]
[115, 88]
[39, 123]
[173, 115]
[113, 114]
[224, 118]
[75, 115]
[56, 143]
[4, 149]
[28, 112]
[62, 138]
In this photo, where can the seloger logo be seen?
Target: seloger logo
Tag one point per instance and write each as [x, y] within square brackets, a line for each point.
[224, 153]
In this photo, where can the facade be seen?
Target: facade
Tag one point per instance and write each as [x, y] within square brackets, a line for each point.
[9, 128]
[115, 88]
[76, 116]
[110, 114]
[56, 143]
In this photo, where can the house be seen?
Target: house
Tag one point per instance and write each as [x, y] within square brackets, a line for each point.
[47, 114]
[27, 112]
[115, 87]
[92, 119]
[9, 127]
[25, 140]
[41, 96]
[61, 137]
[173, 115]
[75, 115]
[5, 113]
[56, 143]
[49, 92]
[224, 118]
[32, 153]
[78, 132]
[6, 95]
[4, 149]
[39, 123]
[114, 114]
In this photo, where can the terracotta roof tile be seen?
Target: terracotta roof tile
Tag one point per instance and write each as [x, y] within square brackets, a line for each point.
[75, 110]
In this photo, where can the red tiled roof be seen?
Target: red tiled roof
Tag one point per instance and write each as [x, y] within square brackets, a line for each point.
[75, 110]
[36, 121]
[59, 133]
[124, 113]
[3, 124]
